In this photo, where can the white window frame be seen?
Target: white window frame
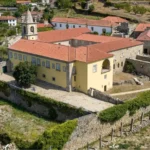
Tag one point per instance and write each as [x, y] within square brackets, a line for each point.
[20, 56]
[15, 55]
[25, 57]
[58, 67]
[10, 55]
[47, 64]
[94, 69]
[38, 61]
[33, 60]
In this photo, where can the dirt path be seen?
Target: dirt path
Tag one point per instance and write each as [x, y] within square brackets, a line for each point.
[130, 92]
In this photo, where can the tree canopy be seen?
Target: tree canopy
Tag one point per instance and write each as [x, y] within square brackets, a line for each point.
[25, 74]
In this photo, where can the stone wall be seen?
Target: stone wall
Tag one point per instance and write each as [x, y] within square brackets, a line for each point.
[103, 97]
[142, 67]
[143, 57]
[40, 109]
[90, 128]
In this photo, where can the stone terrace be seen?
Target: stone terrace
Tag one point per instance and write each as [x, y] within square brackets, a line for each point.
[73, 98]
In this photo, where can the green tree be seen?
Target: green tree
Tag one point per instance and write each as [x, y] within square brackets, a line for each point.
[25, 74]
[135, 9]
[3, 51]
[64, 4]
[48, 14]
[91, 8]
[142, 10]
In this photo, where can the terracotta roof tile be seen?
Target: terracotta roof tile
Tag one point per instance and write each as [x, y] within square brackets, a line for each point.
[96, 38]
[7, 18]
[59, 52]
[142, 26]
[145, 36]
[61, 35]
[116, 45]
[102, 23]
[42, 25]
[114, 19]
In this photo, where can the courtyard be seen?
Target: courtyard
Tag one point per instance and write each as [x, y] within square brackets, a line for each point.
[77, 99]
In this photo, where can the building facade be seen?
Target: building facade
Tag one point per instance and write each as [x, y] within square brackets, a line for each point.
[10, 20]
[99, 26]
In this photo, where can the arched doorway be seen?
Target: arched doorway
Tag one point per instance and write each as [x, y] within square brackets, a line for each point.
[105, 66]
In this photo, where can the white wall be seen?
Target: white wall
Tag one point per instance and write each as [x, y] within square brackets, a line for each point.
[98, 29]
[12, 22]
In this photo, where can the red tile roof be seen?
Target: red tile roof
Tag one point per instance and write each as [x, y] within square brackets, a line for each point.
[103, 23]
[7, 18]
[114, 19]
[42, 25]
[116, 45]
[96, 38]
[61, 35]
[145, 36]
[142, 26]
[23, 1]
[54, 51]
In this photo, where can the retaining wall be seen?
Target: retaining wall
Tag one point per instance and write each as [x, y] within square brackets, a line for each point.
[103, 97]
[90, 128]
[141, 66]
[63, 114]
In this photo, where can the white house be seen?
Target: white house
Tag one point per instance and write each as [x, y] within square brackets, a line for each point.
[12, 21]
[99, 26]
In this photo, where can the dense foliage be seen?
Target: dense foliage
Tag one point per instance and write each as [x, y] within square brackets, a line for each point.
[63, 4]
[7, 2]
[115, 113]
[129, 68]
[56, 137]
[25, 74]
[4, 87]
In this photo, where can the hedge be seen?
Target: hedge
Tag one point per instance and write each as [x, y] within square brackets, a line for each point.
[56, 137]
[115, 113]
[52, 104]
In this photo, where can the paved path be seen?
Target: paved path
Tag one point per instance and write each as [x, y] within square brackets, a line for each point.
[73, 98]
[130, 92]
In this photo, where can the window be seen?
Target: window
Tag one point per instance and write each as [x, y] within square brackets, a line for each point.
[60, 25]
[122, 64]
[105, 76]
[92, 28]
[55, 25]
[74, 70]
[105, 66]
[38, 62]
[10, 55]
[15, 55]
[24, 57]
[20, 56]
[94, 68]
[73, 26]
[47, 64]
[79, 26]
[32, 29]
[33, 61]
[114, 66]
[64, 68]
[43, 63]
[53, 78]
[53, 65]
[43, 75]
[74, 78]
[58, 67]
[118, 65]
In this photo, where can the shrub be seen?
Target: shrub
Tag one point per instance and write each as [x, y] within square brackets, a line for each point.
[117, 112]
[91, 8]
[113, 114]
[56, 137]
[4, 87]
[129, 68]
[83, 4]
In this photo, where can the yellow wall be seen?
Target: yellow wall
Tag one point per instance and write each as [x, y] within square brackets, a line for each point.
[81, 76]
[60, 76]
[85, 77]
[97, 79]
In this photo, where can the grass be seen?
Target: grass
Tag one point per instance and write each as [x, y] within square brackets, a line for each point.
[21, 125]
[73, 14]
